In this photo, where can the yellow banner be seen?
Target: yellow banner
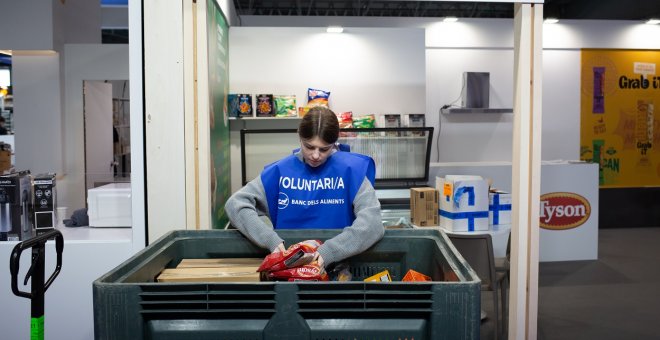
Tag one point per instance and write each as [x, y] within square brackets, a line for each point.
[620, 127]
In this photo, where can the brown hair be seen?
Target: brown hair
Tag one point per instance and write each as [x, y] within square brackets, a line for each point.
[319, 121]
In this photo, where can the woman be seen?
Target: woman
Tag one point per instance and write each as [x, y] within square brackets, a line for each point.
[317, 187]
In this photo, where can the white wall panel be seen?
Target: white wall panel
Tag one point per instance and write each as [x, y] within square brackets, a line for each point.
[622, 34]
[367, 70]
[37, 115]
[470, 33]
[469, 137]
[561, 105]
[26, 25]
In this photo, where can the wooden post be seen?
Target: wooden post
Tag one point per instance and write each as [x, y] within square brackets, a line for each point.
[526, 171]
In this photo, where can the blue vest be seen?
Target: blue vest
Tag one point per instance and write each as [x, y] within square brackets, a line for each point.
[303, 197]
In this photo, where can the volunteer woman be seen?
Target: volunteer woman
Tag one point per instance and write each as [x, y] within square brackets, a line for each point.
[318, 187]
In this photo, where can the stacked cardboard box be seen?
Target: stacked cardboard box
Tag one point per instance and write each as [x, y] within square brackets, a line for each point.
[424, 206]
[499, 207]
[463, 202]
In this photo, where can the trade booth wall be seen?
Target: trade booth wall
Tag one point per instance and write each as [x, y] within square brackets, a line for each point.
[469, 45]
[460, 138]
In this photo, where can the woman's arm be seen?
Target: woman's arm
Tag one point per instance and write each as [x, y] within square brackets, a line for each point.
[366, 230]
[247, 210]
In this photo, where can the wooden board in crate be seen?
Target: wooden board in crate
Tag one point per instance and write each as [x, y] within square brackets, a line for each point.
[213, 270]
[219, 263]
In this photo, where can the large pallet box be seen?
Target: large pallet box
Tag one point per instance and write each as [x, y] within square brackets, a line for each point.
[129, 304]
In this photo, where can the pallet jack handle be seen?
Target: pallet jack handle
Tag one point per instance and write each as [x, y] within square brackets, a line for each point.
[37, 273]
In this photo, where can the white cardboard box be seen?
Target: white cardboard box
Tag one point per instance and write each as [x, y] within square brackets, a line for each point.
[499, 208]
[109, 205]
[463, 202]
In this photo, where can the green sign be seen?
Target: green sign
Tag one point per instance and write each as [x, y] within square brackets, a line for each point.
[218, 36]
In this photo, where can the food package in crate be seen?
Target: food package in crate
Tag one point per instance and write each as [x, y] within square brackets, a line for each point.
[309, 272]
[296, 255]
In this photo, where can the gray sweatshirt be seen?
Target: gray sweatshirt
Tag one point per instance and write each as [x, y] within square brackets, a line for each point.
[247, 210]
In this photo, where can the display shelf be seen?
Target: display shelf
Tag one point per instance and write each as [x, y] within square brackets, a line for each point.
[238, 123]
[401, 155]
[262, 118]
[467, 110]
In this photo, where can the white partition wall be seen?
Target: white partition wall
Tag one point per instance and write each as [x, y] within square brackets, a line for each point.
[367, 71]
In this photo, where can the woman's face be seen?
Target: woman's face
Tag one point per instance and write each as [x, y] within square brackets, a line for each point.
[315, 151]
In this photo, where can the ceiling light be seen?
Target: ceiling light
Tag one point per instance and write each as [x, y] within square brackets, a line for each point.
[653, 21]
[550, 21]
[334, 29]
[450, 19]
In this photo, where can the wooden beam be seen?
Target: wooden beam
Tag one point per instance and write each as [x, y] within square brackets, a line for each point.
[526, 170]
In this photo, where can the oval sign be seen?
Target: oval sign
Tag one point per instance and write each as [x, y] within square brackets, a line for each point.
[563, 210]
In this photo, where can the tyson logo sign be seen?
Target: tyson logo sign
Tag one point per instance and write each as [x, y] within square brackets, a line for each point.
[563, 210]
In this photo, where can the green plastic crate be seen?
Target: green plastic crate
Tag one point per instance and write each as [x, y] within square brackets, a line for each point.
[129, 304]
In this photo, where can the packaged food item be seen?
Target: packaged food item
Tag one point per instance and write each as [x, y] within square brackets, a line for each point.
[340, 272]
[390, 121]
[232, 105]
[245, 105]
[345, 122]
[309, 272]
[345, 119]
[317, 98]
[265, 107]
[415, 120]
[364, 122]
[415, 276]
[296, 255]
[383, 276]
[285, 106]
[302, 111]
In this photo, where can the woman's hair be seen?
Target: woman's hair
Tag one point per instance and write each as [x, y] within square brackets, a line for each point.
[319, 121]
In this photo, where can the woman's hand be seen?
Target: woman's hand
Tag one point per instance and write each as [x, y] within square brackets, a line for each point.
[318, 258]
[280, 248]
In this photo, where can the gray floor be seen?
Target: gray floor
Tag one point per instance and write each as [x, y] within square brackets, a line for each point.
[614, 297]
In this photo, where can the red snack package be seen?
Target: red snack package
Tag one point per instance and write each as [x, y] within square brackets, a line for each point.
[296, 255]
[345, 120]
[415, 276]
[308, 272]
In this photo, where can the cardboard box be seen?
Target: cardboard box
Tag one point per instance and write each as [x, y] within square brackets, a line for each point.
[5, 160]
[424, 206]
[499, 207]
[463, 202]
